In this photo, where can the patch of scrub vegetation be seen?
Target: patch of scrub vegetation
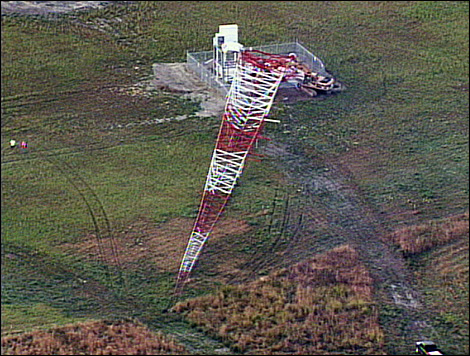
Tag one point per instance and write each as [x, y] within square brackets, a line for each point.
[420, 238]
[103, 337]
[321, 305]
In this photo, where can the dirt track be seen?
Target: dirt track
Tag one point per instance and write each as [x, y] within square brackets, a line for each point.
[332, 212]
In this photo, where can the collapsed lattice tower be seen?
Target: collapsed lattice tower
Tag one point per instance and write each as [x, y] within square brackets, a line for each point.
[257, 78]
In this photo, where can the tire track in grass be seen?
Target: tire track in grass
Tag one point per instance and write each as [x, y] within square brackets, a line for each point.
[102, 232]
[95, 209]
[284, 232]
[287, 236]
[260, 257]
[298, 226]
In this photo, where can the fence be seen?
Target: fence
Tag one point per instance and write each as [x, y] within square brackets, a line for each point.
[199, 62]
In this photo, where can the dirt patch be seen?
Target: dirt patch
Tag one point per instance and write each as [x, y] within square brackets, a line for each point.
[291, 95]
[162, 245]
[176, 78]
[50, 7]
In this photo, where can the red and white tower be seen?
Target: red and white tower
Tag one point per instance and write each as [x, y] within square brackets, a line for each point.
[254, 86]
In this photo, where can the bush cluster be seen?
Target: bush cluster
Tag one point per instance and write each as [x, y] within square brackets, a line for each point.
[323, 305]
[92, 338]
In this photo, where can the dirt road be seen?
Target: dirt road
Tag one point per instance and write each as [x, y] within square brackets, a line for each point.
[332, 212]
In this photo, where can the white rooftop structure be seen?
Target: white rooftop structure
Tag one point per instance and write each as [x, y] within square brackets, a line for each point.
[226, 52]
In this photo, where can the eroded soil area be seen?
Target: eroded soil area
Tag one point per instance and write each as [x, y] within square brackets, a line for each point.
[177, 78]
[161, 245]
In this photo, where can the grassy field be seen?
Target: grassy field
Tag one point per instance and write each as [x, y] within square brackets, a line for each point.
[90, 211]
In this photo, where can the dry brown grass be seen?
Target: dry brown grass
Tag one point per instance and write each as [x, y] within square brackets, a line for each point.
[320, 306]
[92, 338]
[419, 238]
[162, 245]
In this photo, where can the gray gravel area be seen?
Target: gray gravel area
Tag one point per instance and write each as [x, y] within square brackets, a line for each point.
[49, 7]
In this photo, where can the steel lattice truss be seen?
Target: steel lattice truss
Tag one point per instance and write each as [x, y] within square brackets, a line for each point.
[249, 101]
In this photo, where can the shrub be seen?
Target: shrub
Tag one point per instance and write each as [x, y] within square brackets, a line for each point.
[318, 306]
[419, 238]
[92, 338]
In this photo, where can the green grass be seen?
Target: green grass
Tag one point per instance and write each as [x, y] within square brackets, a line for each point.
[125, 192]
[442, 275]
[21, 318]
[403, 120]
[40, 56]
[406, 104]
